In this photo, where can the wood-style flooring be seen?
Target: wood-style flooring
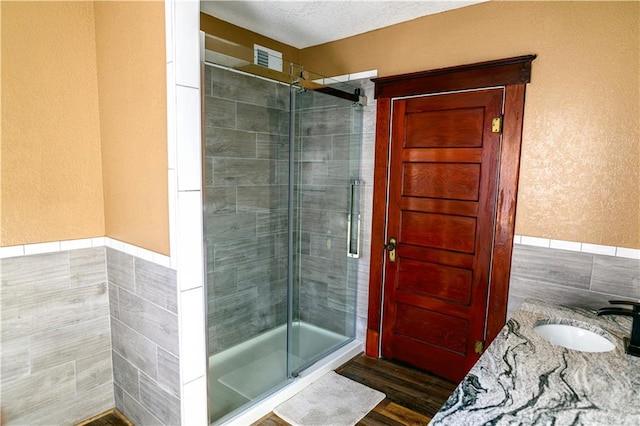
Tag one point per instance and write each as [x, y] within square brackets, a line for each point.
[112, 417]
[413, 396]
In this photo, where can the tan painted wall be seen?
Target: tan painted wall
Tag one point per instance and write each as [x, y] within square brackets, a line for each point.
[580, 173]
[130, 40]
[242, 37]
[581, 149]
[51, 185]
[84, 144]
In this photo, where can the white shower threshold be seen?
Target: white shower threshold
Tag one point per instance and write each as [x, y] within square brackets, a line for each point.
[306, 377]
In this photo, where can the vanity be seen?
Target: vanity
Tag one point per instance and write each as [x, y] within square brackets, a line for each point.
[523, 378]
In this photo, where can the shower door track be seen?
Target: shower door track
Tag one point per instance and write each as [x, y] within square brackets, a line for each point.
[355, 97]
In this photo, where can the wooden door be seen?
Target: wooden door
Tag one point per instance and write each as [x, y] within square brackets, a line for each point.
[441, 211]
[511, 74]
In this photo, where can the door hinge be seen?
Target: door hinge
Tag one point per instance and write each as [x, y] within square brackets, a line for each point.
[496, 125]
[479, 346]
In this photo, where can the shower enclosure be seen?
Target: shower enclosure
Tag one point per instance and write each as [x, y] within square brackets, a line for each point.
[282, 206]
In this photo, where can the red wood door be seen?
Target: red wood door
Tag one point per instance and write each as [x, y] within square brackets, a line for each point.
[441, 210]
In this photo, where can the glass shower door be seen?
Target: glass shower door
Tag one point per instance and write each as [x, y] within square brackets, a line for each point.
[325, 214]
[281, 170]
[246, 228]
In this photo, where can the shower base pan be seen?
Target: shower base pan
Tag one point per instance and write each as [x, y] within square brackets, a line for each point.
[256, 368]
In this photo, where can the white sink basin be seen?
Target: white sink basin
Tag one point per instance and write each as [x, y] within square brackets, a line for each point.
[577, 336]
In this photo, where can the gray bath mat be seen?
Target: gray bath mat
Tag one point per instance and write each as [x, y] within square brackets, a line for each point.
[333, 400]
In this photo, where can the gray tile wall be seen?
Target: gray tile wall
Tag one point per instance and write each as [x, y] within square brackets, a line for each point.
[144, 339]
[366, 172]
[571, 278]
[329, 146]
[246, 173]
[55, 338]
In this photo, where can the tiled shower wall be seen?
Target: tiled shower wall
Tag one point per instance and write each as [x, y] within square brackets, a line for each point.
[324, 233]
[329, 144]
[69, 339]
[571, 278]
[246, 176]
[246, 173]
[366, 172]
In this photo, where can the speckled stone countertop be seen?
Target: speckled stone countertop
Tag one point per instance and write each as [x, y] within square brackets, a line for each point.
[524, 380]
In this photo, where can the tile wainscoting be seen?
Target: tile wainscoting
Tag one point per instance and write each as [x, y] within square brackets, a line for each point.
[572, 273]
[94, 323]
[90, 328]
[144, 338]
[55, 338]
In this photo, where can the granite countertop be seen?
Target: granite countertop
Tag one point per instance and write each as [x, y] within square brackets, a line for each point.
[523, 379]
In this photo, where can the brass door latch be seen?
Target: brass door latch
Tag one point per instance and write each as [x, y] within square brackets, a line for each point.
[391, 247]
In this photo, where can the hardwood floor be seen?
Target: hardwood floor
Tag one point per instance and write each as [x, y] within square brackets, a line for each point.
[413, 396]
[111, 417]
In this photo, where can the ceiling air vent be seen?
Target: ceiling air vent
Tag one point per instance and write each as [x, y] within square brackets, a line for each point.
[266, 57]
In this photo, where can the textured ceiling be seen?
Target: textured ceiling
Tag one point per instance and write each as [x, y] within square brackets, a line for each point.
[308, 23]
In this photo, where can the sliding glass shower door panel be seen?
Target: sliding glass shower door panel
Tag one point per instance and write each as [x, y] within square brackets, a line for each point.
[246, 228]
[327, 168]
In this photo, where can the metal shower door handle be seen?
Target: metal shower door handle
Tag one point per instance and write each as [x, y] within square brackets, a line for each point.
[353, 221]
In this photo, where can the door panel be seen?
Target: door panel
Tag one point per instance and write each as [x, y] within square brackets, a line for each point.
[431, 327]
[431, 279]
[441, 210]
[442, 128]
[439, 359]
[441, 180]
[442, 231]
[439, 206]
